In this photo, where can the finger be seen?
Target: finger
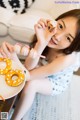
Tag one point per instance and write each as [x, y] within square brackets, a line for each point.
[39, 25]
[6, 49]
[43, 22]
[9, 47]
[47, 21]
[2, 53]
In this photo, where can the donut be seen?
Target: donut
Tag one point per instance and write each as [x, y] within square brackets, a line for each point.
[8, 65]
[25, 50]
[17, 48]
[19, 77]
[52, 24]
[22, 50]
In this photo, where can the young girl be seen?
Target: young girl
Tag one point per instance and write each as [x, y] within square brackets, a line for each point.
[59, 46]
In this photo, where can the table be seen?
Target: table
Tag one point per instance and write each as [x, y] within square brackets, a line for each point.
[7, 106]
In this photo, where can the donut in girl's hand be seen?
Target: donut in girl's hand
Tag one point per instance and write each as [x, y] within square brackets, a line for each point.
[52, 24]
[8, 65]
[14, 77]
[25, 50]
[17, 48]
[22, 50]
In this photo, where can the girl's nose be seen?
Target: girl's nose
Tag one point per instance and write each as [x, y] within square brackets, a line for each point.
[59, 36]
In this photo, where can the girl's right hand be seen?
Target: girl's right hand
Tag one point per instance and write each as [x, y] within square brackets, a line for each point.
[6, 49]
[42, 32]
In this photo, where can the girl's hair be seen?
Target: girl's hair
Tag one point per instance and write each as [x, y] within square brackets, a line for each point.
[75, 45]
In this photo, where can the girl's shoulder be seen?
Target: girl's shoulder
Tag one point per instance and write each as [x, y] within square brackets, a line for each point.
[70, 59]
[66, 59]
[63, 62]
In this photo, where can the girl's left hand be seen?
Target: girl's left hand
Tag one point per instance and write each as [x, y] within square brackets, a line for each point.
[43, 33]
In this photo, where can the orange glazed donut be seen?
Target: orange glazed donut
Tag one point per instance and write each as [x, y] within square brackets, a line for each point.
[8, 65]
[14, 73]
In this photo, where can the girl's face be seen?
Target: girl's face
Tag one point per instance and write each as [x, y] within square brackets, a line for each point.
[66, 32]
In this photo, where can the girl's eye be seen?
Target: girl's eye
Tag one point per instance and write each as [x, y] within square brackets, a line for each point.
[68, 38]
[60, 26]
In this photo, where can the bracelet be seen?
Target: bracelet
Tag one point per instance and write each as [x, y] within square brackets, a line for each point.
[33, 54]
[27, 75]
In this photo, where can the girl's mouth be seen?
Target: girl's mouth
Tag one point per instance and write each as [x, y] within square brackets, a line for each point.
[54, 41]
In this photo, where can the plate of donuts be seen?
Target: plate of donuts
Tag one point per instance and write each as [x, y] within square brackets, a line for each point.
[12, 78]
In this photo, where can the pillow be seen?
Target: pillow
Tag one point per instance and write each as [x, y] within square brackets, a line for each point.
[17, 6]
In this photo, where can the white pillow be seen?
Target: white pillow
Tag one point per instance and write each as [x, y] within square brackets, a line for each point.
[5, 16]
[22, 26]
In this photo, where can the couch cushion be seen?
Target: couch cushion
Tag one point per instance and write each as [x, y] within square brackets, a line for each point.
[22, 26]
[5, 16]
[17, 6]
[3, 29]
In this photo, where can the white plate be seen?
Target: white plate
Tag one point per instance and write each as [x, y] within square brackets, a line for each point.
[7, 91]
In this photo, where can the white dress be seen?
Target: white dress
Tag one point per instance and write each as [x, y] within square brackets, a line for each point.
[61, 80]
[57, 106]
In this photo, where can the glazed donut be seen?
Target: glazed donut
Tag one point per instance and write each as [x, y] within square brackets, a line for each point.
[17, 48]
[52, 24]
[25, 50]
[8, 65]
[14, 73]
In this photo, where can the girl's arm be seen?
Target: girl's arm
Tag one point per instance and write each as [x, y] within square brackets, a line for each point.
[32, 60]
[43, 37]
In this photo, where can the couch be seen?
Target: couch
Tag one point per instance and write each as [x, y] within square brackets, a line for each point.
[20, 27]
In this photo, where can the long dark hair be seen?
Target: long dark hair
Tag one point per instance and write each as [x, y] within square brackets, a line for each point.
[75, 45]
